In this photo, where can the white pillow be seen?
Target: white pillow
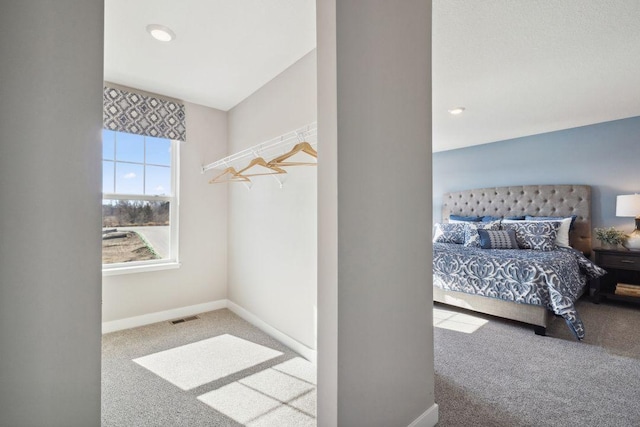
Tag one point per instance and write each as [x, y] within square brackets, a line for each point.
[562, 237]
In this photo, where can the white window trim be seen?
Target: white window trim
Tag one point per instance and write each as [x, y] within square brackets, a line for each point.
[173, 261]
[125, 268]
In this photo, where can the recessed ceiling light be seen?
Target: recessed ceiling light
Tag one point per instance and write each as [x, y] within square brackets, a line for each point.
[456, 110]
[160, 32]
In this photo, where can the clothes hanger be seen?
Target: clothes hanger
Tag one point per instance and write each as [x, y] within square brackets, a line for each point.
[303, 147]
[259, 161]
[235, 177]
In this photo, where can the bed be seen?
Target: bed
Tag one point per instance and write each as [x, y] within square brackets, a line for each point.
[528, 286]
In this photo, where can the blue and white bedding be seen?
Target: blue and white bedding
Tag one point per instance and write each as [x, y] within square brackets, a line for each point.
[552, 279]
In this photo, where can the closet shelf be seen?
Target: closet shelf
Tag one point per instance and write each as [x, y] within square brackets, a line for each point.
[272, 148]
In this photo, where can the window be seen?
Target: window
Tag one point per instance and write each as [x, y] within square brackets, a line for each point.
[139, 201]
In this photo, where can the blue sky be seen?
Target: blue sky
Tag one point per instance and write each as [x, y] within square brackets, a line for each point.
[119, 148]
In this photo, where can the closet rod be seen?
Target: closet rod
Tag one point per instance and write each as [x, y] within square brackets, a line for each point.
[304, 132]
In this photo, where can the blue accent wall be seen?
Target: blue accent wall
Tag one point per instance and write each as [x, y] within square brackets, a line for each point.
[605, 156]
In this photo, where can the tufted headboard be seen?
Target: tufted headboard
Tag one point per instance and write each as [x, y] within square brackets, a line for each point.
[537, 200]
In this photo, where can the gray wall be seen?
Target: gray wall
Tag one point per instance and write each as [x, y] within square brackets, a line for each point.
[379, 91]
[327, 349]
[202, 276]
[50, 147]
[272, 230]
[603, 155]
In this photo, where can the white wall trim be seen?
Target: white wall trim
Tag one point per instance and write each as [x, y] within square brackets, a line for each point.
[306, 352]
[145, 268]
[161, 316]
[429, 418]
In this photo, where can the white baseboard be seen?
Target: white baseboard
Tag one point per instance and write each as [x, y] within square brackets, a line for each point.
[428, 419]
[176, 313]
[161, 316]
[306, 352]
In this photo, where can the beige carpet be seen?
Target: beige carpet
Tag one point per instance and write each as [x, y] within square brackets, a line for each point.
[192, 365]
[502, 374]
[217, 370]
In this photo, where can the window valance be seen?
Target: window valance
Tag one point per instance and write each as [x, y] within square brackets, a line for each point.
[140, 114]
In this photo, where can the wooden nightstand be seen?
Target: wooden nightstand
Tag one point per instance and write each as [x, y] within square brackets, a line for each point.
[623, 267]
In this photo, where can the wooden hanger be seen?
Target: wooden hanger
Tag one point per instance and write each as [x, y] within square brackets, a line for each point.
[235, 177]
[303, 147]
[261, 162]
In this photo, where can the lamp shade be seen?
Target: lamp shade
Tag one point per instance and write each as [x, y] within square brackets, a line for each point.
[628, 205]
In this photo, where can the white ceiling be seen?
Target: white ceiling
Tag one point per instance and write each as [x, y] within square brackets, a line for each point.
[519, 67]
[223, 52]
[523, 67]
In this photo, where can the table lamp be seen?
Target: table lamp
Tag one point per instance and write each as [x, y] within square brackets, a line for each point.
[629, 205]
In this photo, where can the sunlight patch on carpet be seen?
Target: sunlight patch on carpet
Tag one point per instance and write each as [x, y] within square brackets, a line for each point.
[299, 368]
[283, 416]
[455, 321]
[282, 395]
[306, 403]
[239, 402]
[199, 363]
[278, 385]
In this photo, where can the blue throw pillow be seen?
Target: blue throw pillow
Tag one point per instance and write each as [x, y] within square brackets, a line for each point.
[489, 218]
[515, 218]
[471, 236]
[465, 218]
[498, 239]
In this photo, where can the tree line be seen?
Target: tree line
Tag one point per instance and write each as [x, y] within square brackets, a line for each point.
[122, 213]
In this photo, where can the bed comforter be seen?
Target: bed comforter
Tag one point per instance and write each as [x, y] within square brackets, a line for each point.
[552, 279]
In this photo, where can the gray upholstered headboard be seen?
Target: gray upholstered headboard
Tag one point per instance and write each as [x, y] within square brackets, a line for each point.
[538, 200]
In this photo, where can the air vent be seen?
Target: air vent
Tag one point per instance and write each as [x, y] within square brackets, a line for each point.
[186, 319]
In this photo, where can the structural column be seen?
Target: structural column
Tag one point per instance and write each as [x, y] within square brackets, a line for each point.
[50, 262]
[375, 336]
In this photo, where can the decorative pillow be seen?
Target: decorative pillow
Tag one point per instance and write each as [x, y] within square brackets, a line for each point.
[489, 218]
[460, 218]
[515, 218]
[449, 233]
[552, 218]
[471, 236]
[539, 236]
[498, 239]
[562, 238]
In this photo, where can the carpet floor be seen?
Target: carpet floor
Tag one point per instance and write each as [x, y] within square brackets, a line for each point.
[488, 372]
[217, 370]
[502, 374]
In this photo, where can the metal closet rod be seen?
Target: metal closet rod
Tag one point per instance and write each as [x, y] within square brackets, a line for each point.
[303, 132]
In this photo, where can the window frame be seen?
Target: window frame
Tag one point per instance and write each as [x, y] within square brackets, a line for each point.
[173, 260]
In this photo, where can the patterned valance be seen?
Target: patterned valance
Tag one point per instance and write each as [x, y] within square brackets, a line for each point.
[131, 112]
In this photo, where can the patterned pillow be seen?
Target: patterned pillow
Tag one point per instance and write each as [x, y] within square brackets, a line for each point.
[498, 239]
[562, 236]
[449, 233]
[540, 236]
[471, 236]
[552, 218]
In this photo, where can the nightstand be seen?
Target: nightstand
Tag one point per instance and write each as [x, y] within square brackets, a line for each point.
[623, 272]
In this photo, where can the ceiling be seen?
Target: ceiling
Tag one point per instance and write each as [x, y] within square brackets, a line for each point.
[523, 67]
[224, 50]
[519, 67]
